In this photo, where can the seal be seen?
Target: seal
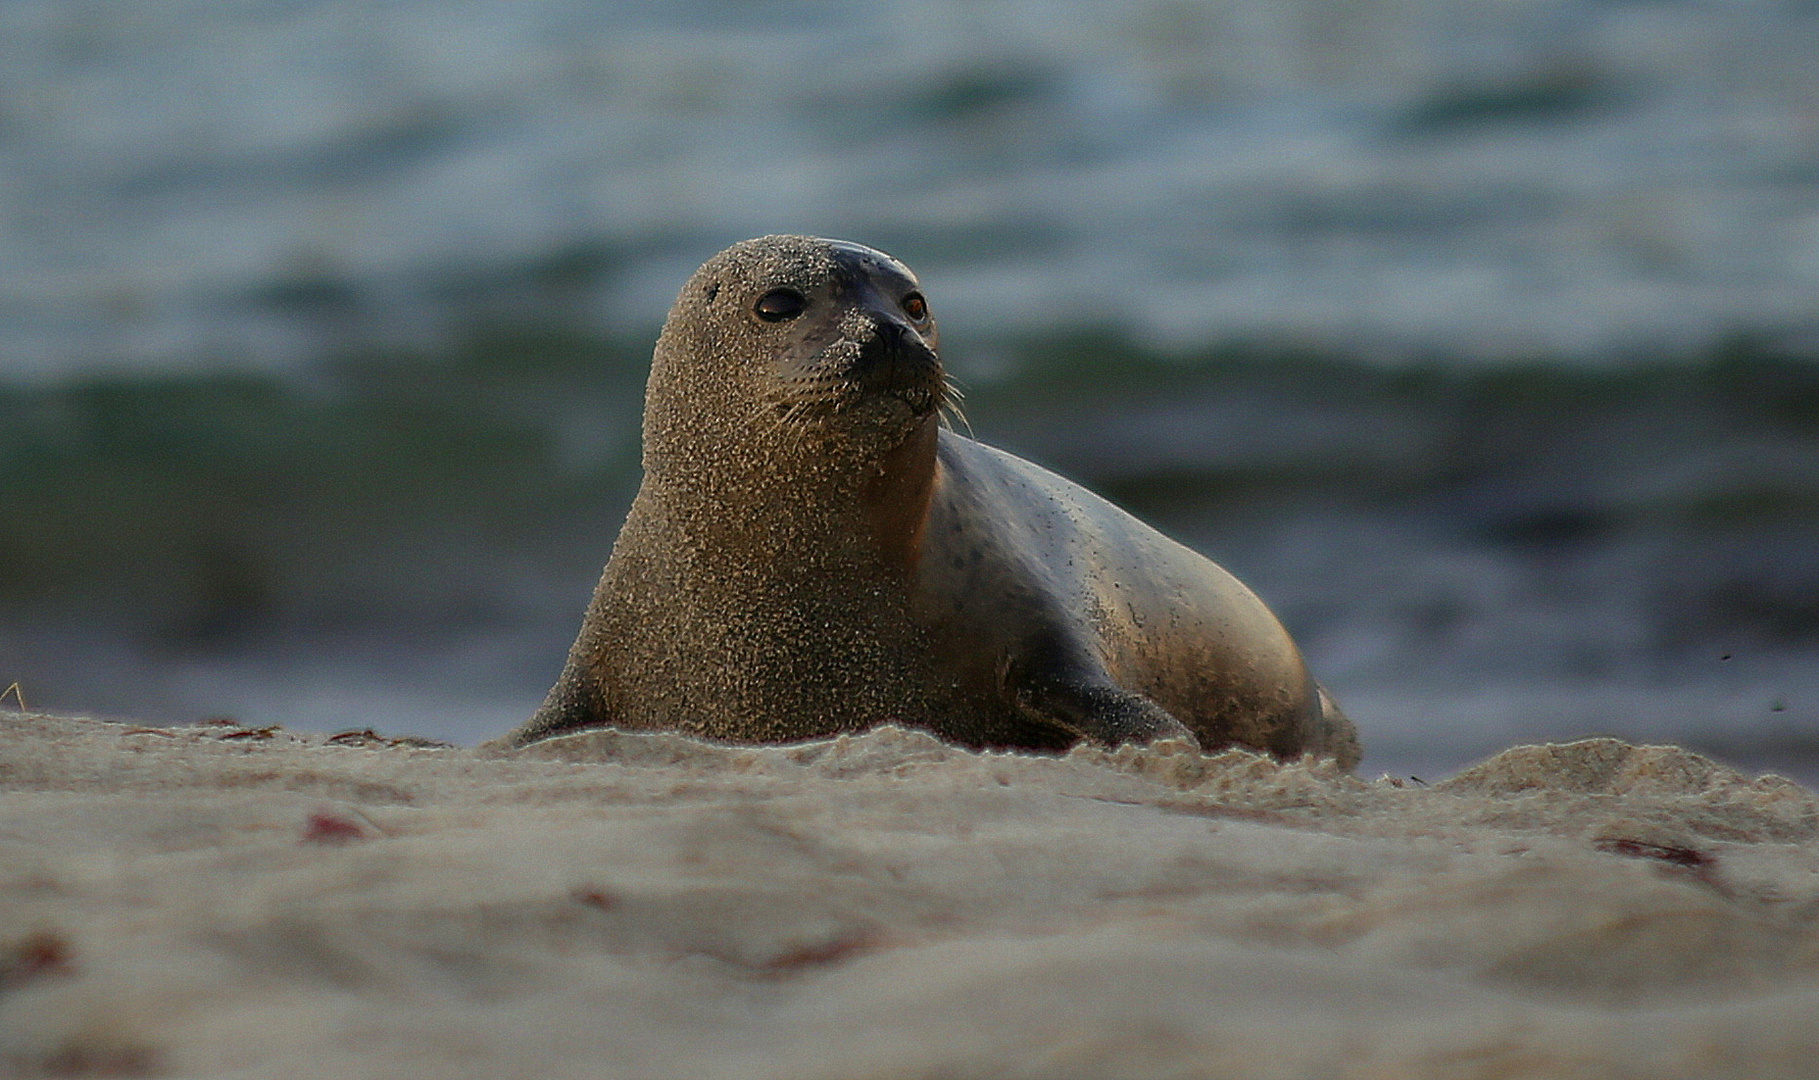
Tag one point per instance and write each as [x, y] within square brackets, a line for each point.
[812, 551]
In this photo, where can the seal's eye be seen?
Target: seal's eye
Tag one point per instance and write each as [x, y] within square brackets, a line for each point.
[915, 307]
[779, 304]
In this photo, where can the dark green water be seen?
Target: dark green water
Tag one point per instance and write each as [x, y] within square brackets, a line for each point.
[406, 541]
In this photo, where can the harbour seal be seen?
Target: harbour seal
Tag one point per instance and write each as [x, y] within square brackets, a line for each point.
[812, 552]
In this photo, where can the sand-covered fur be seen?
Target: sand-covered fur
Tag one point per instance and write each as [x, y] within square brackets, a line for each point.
[811, 553]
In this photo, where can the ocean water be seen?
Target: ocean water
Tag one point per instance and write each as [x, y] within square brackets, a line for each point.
[1481, 338]
[245, 182]
[1469, 559]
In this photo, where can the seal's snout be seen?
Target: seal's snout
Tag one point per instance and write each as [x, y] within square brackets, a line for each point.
[895, 360]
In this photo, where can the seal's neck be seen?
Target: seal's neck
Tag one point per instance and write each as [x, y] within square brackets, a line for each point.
[786, 506]
[897, 500]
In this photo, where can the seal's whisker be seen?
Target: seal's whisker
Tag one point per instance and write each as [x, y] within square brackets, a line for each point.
[803, 393]
[951, 411]
[770, 407]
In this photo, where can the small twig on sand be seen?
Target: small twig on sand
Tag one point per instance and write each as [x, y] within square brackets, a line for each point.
[18, 695]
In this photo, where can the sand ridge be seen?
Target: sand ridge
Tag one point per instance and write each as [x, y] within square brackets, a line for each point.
[222, 901]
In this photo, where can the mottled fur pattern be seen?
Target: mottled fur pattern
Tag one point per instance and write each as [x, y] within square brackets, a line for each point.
[811, 553]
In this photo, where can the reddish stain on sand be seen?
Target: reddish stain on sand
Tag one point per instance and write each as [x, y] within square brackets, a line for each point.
[326, 827]
[595, 897]
[1667, 853]
[36, 956]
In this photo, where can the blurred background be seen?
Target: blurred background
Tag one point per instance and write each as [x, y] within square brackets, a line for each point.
[1481, 337]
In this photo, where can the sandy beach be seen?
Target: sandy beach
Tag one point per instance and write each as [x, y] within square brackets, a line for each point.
[222, 901]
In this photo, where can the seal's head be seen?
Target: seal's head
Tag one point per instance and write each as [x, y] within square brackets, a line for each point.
[804, 338]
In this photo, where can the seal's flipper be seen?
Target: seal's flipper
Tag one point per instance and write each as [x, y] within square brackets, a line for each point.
[573, 704]
[1056, 684]
[1335, 735]
[1102, 714]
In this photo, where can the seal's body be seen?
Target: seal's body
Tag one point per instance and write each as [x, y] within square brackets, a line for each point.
[811, 552]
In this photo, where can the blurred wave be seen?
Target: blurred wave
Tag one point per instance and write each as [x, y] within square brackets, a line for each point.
[243, 183]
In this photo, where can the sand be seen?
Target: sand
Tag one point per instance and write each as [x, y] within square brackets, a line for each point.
[224, 902]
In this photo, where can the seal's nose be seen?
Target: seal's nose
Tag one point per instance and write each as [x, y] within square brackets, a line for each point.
[897, 361]
[888, 321]
[895, 332]
[892, 340]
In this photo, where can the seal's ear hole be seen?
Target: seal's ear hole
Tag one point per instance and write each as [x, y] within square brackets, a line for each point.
[915, 306]
[779, 304]
[712, 290]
